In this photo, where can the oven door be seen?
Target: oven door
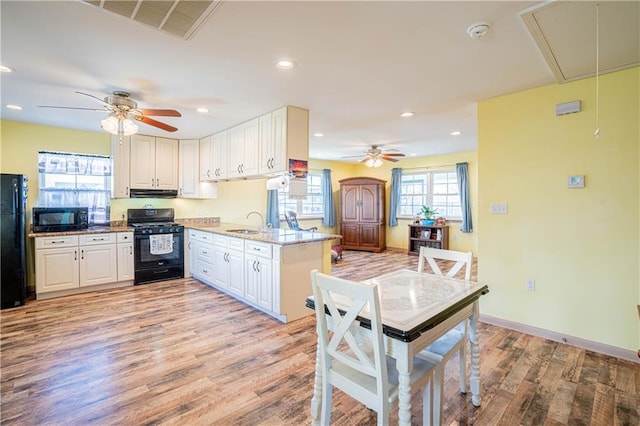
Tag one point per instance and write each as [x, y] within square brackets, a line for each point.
[157, 264]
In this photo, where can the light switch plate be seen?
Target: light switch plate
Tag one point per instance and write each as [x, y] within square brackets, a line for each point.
[499, 208]
[575, 181]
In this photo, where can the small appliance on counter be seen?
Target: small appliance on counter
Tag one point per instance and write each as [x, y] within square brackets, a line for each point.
[60, 219]
[159, 245]
[13, 200]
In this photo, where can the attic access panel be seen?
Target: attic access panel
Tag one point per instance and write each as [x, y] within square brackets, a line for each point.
[565, 33]
[179, 18]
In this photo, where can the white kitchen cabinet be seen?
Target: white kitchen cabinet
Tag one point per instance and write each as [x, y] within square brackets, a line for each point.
[206, 166]
[189, 179]
[98, 259]
[154, 163]
[242, 147]
[120, 157]
[126, 262]
[57, 263]
[219, 156]
[68, 264]
[284, 135]
[201, 256]
[258, 274]
[229, 264]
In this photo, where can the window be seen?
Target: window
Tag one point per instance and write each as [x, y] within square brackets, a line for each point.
[437, 189]
[311, 206]
[75, 180]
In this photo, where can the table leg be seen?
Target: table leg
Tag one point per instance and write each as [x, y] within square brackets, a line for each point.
[316, 401]
[404, 366]
[474, 381]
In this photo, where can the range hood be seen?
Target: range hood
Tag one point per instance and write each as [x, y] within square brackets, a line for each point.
[153, 193]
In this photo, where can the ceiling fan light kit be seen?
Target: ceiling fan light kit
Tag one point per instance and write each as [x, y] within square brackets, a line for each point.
[123, 111]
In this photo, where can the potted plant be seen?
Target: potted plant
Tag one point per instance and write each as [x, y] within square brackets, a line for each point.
[427, 213]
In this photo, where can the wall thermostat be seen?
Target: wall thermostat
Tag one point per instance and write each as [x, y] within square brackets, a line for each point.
[575, 181]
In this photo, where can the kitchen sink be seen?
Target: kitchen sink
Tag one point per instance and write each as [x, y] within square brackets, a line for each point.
[243, 231]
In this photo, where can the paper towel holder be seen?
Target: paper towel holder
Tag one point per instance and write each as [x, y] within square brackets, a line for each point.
[278, 182]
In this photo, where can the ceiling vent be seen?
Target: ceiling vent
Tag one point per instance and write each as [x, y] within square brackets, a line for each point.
[178, 18]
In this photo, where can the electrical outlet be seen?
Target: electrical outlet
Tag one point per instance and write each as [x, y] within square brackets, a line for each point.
[499, 208]
[531, 285]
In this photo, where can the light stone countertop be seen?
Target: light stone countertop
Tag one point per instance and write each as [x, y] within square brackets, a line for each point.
[273, 236]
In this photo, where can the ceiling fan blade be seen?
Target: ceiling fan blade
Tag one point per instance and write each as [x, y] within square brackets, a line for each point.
[160, 112]
[352, 156]
[156, 123]
[94, 97]
[64, 107]
[393, 155]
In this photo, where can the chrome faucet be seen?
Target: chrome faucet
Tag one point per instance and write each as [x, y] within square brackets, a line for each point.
[262, 224]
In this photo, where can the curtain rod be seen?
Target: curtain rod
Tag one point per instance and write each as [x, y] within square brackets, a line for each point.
[442, 166]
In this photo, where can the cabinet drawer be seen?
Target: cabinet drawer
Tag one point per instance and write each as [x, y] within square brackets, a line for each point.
[125, 237]
[220, 240]
[94, 239]
[259, 249]
[56, 242]
[203, 237]
[204, 253]
[236, 244]
[205, 271]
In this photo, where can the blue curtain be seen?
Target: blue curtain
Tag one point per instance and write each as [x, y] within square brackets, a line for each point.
[328, 208]
[394, 196]
[462, 170]
[273, 214]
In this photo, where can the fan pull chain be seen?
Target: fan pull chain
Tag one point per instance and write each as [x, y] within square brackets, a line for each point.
[597, 132]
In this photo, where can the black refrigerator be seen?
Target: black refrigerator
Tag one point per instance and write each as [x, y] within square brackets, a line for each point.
[13, 194]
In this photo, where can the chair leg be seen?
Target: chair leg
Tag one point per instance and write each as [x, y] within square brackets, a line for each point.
[427, 401]
[463, 369]
[325, 413]
[439, 388]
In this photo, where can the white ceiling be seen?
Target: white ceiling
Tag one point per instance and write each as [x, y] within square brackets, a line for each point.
[360, 64]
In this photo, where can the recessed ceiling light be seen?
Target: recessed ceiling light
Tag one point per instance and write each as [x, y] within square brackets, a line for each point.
[318, 135]
[5, 69]
[286, 64]
[455, 133]
[10, 106]
[202, 110]
[407, 114]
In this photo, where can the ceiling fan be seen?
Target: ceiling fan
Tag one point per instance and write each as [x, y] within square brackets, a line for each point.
[122, 111]
[374, 156]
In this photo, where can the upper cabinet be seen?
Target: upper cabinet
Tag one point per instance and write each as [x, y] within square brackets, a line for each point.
[284, 135]
[189, 179]
[242, 146]
[120, 166]
[154, 163]
[213, 157]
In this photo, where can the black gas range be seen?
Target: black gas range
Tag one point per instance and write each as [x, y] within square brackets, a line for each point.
[159, 245]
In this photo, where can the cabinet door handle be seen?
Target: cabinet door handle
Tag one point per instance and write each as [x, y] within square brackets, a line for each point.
[131, 251]
[152, 182]
[75, 255]
[57, 242]
[82, 254]
[208, 173]
[258, 266]
[157, 183]
[126, 190]
[254, 266]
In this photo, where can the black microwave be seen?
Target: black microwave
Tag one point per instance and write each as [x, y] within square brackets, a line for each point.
[58, 219]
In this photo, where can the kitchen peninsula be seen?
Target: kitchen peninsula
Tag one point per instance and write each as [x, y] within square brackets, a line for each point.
[267, 270]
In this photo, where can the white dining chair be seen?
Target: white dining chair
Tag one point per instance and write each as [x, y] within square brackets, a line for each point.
[455, 340]
[355, 364]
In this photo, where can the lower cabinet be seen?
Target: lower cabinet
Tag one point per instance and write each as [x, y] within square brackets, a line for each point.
[259, 274]
[68, 263]
[273, 278]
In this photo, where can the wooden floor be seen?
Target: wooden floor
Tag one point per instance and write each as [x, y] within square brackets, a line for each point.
[181, 353]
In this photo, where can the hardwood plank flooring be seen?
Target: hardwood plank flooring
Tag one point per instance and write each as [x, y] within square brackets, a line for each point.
[181, 353]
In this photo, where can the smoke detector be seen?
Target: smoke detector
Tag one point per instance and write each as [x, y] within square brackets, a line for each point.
[478, 30]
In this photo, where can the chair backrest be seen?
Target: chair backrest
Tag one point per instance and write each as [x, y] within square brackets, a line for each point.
[292, 220]
[349, 363]
[460, 258]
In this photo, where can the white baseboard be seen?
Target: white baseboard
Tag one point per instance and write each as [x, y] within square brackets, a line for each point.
[613, 351]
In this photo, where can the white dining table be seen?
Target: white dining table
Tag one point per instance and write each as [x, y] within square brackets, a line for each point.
[416, 309]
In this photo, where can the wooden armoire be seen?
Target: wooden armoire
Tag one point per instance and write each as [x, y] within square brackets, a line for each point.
[362, 214]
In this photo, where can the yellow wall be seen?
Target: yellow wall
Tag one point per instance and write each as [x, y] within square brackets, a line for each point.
[580, 245]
